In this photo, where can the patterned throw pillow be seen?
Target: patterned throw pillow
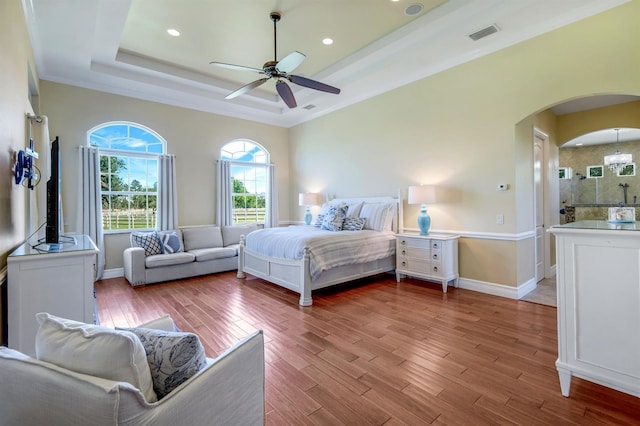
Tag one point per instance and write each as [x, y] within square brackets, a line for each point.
[332, 221]
[149, 241]
[170, 242]
[319, 219]
[173, 357]
[353, 224]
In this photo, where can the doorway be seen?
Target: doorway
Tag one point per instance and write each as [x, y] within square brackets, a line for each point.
[540, 150]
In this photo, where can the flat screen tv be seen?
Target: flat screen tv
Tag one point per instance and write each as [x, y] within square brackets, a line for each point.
[53, 228]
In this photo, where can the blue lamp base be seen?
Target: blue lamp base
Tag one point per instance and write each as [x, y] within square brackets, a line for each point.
[307, 216]
[424, 220]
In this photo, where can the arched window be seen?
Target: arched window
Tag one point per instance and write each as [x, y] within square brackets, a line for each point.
[250, 175]
[128, 173]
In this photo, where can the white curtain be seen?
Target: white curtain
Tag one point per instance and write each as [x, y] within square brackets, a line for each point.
[272, 220]
[168, 195]
[89, 213]
[224, 190]
[39, 132]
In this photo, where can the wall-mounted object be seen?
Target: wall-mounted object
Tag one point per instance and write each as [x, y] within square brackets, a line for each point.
[565, 173]
[595, 172]
[25, 172]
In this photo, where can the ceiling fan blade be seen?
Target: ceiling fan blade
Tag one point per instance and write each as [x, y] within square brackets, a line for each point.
[290, 62]
[244, 89]
[312, 84]
[237, 67]
[286, 94]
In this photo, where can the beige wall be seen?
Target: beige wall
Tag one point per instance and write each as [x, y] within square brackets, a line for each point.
[580, 123]
[457, 129]
[194, 137]
[15, 51]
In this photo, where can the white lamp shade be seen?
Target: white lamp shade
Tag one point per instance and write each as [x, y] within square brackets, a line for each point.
[309, 199]
[423, 194]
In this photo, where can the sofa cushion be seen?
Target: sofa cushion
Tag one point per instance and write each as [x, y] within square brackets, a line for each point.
[165, 323]
[173, 357]
[148, 241]
[94, 350]
[231, 234]
[159, 260]
[171, 241]
[199, 237]
[213, 253]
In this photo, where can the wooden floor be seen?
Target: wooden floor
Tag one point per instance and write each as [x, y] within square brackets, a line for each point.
[377, 352]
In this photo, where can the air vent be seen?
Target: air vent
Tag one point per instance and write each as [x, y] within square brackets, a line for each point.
[413, 9]
[492, 29]
[310, 106]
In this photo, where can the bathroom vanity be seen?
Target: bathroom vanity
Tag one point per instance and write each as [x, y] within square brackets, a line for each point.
[598, 286]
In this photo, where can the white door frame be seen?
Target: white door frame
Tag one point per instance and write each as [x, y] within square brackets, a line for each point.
[545, 238]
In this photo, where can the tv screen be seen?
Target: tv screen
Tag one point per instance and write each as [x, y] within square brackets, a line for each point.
[53, 228]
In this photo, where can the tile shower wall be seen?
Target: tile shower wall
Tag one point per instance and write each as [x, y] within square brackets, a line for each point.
[604, 190]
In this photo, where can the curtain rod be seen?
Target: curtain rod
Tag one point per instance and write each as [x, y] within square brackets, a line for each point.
[37, 118]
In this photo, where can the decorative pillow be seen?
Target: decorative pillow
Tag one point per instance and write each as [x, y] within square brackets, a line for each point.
[376, 215]
[333, 219]
[354, 209]
[149, 241]
[164, 323]
[353, 224]
[94, 350]
[171, 242]
[173, 357]
[319, 219]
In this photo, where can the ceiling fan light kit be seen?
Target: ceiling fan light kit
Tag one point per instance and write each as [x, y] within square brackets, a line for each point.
[280, 71]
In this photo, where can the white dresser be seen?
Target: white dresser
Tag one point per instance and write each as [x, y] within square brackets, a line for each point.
[598, 280]
[433, 257]
[58, 281]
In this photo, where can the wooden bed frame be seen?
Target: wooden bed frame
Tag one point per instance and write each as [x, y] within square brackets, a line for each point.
[294, 274]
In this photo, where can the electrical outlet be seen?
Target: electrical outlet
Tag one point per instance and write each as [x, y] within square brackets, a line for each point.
[500, 219]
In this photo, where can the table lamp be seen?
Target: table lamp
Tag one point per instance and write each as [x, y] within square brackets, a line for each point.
[308, 199]
[422, 194]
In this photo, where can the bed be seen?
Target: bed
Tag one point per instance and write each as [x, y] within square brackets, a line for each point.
[303, 258]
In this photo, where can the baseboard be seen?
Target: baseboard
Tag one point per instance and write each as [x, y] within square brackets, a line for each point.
[113, 273]
[498, 289]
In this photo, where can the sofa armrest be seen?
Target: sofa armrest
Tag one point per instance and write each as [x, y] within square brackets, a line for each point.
[134, 268]
[229, 390]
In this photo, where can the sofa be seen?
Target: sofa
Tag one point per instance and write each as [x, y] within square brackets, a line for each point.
[185, 252]
[226, 390]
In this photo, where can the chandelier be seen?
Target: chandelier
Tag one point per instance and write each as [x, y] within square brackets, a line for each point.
[618, 160]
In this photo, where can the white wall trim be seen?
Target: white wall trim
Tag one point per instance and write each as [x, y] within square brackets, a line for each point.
[498, 289]
[112, 273]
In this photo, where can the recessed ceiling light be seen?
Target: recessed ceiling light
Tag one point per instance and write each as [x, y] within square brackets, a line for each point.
[395, 1]
[327, 41]
[413, 9]
[173, 32]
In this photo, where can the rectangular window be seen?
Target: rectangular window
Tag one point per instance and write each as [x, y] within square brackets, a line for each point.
[249, 193]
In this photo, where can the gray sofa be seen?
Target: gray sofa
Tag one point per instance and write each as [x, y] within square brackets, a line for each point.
[203, 250]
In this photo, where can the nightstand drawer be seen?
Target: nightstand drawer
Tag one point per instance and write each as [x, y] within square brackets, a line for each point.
[414, 253]
[421, 267]
[422, 243]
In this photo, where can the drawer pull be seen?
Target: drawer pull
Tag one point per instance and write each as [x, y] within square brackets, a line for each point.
[435, 256]
[403, 242]
[403, 263]
[404, 251]
[435, 269]
[435, 245]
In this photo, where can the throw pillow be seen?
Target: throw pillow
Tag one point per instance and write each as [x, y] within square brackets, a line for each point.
[319, 219]
[353, 224]
[173, 357]
[164, 322]
[170, 242]
[333, 219]
[94, 350]
[149, 241]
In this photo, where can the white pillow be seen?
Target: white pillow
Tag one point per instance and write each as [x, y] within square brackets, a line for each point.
[164, 323]
[94, 350]
[377, 215]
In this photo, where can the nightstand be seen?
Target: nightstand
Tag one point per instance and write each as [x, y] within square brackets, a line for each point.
[433, 257]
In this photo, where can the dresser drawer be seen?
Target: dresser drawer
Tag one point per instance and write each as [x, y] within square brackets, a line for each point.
[422, 243]
[414, 253]
[417, 266]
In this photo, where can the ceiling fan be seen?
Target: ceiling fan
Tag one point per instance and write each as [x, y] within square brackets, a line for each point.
[280, 71]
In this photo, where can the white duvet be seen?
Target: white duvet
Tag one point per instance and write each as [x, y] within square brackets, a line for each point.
[327, 249]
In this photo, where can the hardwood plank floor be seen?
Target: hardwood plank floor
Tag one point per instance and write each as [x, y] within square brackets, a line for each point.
[377, 352]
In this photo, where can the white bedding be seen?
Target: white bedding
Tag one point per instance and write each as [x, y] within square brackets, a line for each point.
[327, 249]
